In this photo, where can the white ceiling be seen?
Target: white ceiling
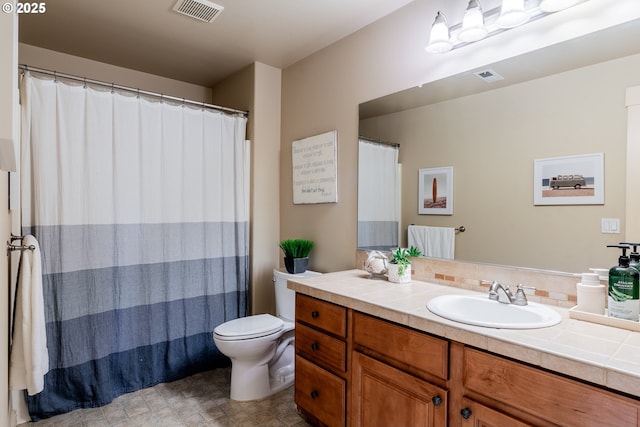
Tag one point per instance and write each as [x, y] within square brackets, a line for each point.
[147, 35]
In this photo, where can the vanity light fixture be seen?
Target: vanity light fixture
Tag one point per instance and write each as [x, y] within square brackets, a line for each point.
[512, 14]
[439, 42]
[477, 25]
[473, 28]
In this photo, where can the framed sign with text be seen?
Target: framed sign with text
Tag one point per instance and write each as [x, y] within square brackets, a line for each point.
[315, 169]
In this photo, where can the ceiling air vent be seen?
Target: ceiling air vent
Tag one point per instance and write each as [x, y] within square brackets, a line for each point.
[202, 10]
[489, 76]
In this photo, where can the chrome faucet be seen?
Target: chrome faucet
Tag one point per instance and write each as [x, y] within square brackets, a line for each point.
[503, 294]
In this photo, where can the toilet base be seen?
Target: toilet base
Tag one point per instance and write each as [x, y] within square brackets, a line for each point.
[253, 382]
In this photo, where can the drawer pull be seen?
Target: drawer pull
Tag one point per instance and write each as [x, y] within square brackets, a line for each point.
[314, 394]
[466, 413]
[315, 346]
[437, 400]
[315, 314]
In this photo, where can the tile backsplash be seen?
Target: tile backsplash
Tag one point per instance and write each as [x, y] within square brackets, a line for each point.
[553, 288]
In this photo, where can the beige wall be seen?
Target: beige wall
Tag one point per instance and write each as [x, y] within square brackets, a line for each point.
[491, 139]
[322, 93]
[257, 89]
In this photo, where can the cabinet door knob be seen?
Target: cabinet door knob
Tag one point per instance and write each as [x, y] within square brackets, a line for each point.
[437, 400]
[466, 413]
[314, 394]
[315, 346]
[315, 314]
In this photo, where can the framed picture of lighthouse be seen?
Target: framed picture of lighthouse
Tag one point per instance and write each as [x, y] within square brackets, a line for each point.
[435, 191]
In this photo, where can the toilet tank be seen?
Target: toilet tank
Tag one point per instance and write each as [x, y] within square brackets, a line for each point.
[285, 297]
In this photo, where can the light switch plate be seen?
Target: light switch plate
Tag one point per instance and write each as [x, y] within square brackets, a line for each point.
[611, 225]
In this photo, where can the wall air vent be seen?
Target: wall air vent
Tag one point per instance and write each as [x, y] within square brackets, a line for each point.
[489, 76]
[201, 10]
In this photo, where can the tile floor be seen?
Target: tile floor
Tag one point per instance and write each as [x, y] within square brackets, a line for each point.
[199, 400]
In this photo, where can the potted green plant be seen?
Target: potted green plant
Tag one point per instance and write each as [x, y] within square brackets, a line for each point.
[414, 252]
[296, 254]
[400, 266]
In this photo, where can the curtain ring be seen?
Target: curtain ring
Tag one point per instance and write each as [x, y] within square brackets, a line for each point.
[138, 95]
[55, 77]
[112, 89]
[85, 83]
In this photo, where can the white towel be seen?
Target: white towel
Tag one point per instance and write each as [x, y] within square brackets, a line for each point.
[434, 242]
[29, 360]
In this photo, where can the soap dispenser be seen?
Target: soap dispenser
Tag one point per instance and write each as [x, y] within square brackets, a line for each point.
[634, 256]
[624, 290]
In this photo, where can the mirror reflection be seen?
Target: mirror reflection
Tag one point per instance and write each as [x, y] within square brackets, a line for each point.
[491, 134]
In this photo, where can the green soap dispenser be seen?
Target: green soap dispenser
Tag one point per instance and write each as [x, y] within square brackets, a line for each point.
[624, 290]
[634, 256]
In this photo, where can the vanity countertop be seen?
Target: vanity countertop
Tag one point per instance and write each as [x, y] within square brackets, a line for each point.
[592, 352]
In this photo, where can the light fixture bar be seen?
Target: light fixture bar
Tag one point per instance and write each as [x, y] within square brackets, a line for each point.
[533, 8]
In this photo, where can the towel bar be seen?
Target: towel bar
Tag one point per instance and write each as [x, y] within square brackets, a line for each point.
[11, 247]
[460, 229]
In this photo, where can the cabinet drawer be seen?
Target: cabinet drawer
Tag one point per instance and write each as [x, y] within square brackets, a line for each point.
[555, 399]
[320, 393]
[416, 349]
[320, 348]
[323, 315]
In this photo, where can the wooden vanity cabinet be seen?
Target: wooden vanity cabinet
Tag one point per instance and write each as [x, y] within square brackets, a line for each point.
[362, 371]
[321, 361]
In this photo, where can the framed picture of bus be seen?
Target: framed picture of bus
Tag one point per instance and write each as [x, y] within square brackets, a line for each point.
[570, 180]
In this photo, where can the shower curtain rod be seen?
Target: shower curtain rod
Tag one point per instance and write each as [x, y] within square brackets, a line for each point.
[113, 86]
[377, 141]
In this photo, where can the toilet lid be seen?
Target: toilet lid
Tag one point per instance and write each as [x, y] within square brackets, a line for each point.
[249, 327]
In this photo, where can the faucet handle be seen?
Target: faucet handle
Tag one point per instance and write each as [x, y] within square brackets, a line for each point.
[520, 297]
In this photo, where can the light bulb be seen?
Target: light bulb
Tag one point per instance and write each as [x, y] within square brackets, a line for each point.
[439, 40]
[512, 14]
[473, 28]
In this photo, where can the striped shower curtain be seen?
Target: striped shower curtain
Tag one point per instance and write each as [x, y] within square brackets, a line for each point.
[141, 211]
[378, 195]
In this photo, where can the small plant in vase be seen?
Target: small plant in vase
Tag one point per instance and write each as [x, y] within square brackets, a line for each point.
[296, 254]
[414, 252]
[400, 266]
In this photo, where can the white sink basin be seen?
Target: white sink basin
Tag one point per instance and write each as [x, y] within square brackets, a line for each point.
[481, 311]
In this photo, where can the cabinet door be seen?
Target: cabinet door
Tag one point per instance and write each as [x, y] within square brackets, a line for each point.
[384, 396]
[473, 414]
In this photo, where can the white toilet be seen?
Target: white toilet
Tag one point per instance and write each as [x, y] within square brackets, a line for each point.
[261, 347]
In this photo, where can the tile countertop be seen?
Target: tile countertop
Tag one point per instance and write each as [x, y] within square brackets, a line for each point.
[592, 352]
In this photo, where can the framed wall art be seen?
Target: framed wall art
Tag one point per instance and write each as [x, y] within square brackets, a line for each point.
[435, 191]
[315, 169]
[570, 180]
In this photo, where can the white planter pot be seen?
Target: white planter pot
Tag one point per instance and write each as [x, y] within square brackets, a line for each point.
[394, 277]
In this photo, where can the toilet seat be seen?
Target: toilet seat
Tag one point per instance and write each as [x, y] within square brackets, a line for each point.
[245, 328]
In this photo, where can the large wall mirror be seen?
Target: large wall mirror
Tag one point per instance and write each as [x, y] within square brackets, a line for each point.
[565, 100]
